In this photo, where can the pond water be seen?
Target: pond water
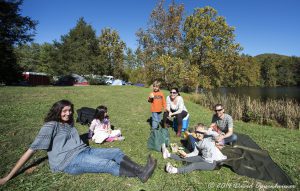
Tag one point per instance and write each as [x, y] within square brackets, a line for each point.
[263, 93]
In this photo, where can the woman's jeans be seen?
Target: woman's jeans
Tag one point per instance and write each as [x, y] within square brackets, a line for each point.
[156, 119]
[96, 160]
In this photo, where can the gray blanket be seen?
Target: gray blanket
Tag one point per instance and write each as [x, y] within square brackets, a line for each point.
[248, 159]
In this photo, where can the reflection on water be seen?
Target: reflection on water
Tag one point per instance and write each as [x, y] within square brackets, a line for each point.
[262, 93]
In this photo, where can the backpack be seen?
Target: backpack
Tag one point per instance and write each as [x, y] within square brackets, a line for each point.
[85, 115]
[157, 138]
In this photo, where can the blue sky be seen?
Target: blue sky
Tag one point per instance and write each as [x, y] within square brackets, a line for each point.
[261, 26]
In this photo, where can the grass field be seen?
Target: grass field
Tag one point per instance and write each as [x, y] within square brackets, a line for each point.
[22, 110]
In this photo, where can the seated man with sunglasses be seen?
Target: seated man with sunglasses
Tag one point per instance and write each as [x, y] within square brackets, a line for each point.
[223, 124]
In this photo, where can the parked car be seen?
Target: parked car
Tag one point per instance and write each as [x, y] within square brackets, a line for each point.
[72, 80]
[108, 79]
[35, 78]
[95, 79]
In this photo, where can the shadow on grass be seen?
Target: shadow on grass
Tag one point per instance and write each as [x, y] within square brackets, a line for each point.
[161, 123]
[149, 121]
[35, 163]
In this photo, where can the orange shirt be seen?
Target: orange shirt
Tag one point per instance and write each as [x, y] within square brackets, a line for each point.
[158, 102]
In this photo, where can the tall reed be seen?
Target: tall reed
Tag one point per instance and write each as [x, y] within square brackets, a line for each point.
[283, 113]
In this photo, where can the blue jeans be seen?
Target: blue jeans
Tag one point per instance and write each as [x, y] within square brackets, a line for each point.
[231, 139]
[191, 143]
[96, 160]
[155, 119]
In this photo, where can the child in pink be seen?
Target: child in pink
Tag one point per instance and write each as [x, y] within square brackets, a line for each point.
[100, 128]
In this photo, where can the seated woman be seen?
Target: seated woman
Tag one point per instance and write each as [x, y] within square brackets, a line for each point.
[175, 108]
[100, 128]
[67, 152]
[210, 154]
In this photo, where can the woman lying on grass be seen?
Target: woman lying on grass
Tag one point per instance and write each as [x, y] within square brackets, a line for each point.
[67, 152]
[210, 154]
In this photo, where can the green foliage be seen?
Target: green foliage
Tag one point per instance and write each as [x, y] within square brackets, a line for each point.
[79, 50]
[198, 51]
[174, 72]
[23, 109]
[39, 58]
[279, 70]
[162, 37]
[15, 29]
[209, 41]
[111, 53]
[241, 71]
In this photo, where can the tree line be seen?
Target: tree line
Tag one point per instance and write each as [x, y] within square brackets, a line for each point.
[196, 51]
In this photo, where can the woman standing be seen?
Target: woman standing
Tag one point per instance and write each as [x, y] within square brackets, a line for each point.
[175, 108]
[67, 152]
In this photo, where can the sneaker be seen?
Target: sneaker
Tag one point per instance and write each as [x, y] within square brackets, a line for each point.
[121, 138]
[165, 151]
[170, 169]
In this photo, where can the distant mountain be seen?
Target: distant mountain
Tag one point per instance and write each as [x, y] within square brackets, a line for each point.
[272, 56]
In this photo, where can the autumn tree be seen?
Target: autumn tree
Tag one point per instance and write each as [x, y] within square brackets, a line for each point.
[175, 72]
[241, 70]
[138, 73]
[162, 36]
[111, 56]
[209, 43]
[130, 64]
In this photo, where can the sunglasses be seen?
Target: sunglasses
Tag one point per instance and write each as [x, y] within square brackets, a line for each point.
[198, 132]
[218, 110]
[173, 92]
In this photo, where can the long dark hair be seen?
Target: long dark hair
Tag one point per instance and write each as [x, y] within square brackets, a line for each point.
[176, 89]
[55, 111]
[100, 112]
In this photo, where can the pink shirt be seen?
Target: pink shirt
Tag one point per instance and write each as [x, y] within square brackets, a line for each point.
[96, 125]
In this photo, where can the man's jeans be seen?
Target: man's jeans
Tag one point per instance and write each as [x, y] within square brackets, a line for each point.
[96, 160]
[156, 118]
[231, 139]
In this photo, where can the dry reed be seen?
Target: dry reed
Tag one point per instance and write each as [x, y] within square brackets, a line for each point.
[283, 113]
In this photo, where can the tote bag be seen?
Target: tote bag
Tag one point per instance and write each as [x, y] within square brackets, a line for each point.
[157, 138]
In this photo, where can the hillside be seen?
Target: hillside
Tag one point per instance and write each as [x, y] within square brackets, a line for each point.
[23, 109]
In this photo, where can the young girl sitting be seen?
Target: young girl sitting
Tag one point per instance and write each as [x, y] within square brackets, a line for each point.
[100, 128]
[208, 132]
[204, 156]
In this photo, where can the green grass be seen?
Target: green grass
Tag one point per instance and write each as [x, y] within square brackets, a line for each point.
[22, 110]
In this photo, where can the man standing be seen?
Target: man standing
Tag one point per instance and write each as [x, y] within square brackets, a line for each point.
[224, 123]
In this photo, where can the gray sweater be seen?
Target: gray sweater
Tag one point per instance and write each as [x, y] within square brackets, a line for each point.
[62, 143]
[208, 149]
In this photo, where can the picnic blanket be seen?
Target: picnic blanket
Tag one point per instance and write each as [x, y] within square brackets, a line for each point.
[248, 159]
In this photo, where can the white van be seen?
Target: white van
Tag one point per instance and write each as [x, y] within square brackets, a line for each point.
[108, 79]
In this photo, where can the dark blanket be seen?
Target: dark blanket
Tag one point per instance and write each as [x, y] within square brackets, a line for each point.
[248, 159]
